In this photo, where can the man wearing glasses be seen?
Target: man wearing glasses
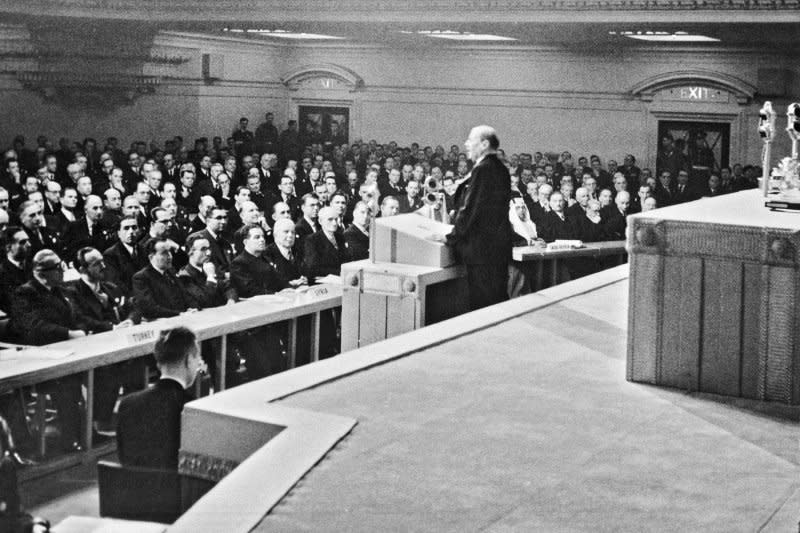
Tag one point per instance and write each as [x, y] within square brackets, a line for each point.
[43, 313]
[220, 247]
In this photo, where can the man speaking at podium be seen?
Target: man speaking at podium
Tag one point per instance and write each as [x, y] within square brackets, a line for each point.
[481, 235]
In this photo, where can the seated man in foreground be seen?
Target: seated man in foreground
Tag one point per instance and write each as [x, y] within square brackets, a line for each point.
[149, 426]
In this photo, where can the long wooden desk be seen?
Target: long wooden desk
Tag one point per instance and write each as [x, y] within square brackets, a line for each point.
[540, 255]
[31, 365]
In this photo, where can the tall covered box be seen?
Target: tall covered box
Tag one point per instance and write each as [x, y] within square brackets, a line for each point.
[714, 289]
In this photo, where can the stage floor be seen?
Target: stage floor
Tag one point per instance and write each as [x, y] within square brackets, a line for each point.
[529, 425]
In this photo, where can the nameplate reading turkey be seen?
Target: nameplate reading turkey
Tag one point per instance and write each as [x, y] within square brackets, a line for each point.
[140, 337]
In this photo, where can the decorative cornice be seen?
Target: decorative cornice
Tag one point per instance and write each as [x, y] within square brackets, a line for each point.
[741, 90]
[315, 7]
[294, 78]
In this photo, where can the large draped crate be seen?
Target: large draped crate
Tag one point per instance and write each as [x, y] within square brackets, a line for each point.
[713, 295]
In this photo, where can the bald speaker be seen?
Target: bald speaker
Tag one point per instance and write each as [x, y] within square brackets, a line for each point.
[773, 81]
[213, 67]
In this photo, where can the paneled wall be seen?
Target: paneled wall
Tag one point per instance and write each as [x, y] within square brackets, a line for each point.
[538, 98]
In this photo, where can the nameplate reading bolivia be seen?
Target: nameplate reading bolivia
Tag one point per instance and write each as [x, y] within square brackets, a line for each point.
[140, 337]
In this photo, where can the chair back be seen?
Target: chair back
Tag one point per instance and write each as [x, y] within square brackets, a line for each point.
[138, 493]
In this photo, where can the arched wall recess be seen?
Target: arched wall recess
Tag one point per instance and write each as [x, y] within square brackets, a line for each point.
[295, 78]
[742, 91]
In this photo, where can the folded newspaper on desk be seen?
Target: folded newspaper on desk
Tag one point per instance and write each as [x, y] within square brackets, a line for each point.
[564, 244]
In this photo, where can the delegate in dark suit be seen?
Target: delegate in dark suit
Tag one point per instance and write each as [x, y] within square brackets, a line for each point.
[77, 236]
[11, 278]
[481, 235]
[553, 227]
[253, 275]
[153, 440]
[98, 313]
[158, 295]
[322, 258]
[357, 243]
[614, 223]
[221, 250]
[41, 316]
[287, 271]
[122, 267]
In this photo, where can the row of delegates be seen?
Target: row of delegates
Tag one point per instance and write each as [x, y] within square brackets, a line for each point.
[587, 223]
[44, 310]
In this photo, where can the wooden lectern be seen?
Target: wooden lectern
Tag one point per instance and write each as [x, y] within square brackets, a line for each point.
[409, 281]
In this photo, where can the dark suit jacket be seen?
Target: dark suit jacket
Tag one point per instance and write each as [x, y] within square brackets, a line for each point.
[122, 267]
[586, 230]
[41, 316]
[286, 270]
[482, 231]
[252, 276]
[269, 180]
[201, 293]
[92, 313]
[357, 243]
[11, 278]
[614, 223]
[687, 195]
[386, 189]
[156, 295]
[575, 211]
[551, 227]
[321, 258]
[301, 231]
[407, 207]
[49, 239]
[149, 426]
[664, 197]
[77, 236]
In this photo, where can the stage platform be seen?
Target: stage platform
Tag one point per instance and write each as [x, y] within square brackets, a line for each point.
[514, 418]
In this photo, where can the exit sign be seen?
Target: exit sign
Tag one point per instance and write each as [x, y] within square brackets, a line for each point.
[696, 94]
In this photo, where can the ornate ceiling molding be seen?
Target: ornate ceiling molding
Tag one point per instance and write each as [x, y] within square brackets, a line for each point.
[294, 79]
[742, 91]
[428, 11]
